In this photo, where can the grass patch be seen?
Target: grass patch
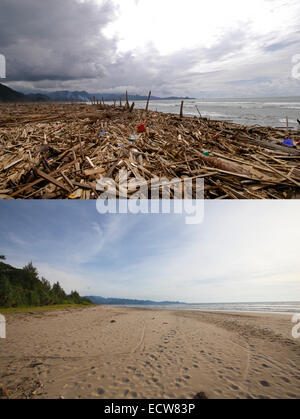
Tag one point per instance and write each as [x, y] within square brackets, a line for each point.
[43, 308]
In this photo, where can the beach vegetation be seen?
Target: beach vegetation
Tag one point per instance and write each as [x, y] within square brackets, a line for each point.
[24, 288]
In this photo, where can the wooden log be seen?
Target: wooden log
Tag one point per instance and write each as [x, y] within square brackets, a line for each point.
[67, 180]
[12, 164]
[92, 172]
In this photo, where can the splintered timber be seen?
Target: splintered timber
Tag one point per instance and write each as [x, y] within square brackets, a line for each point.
[62, 151]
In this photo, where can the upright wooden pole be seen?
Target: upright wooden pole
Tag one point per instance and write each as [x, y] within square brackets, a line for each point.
[148, 100]
[131, 107]
[181, 109]
[127, 102]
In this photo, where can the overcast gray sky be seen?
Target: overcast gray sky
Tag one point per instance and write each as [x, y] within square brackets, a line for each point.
[197, 48]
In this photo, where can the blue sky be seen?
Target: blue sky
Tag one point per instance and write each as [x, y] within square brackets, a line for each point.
[243, 251]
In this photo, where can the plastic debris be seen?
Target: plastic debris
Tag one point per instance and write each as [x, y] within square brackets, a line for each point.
[141, 128]
[289, 143]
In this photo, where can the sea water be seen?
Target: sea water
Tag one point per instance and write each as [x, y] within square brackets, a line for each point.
[264, 112]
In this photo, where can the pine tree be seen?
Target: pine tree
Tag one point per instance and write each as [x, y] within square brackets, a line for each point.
[58, 293]
[31, 276]
[75, 297]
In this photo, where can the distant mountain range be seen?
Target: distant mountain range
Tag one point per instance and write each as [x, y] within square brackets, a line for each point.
[124, 301]
[9, 95]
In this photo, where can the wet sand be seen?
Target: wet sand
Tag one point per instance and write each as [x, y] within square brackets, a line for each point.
[112, 352]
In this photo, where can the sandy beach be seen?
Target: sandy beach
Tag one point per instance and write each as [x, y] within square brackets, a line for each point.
[112, 352]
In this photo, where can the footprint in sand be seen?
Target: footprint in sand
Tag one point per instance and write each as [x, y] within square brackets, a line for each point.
[292, 395]
[100, 391]
[265, 383]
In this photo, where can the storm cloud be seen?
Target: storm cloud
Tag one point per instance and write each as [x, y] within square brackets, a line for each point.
[55, 40]
[54, 45]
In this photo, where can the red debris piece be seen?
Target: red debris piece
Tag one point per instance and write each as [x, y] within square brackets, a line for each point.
[141, 128]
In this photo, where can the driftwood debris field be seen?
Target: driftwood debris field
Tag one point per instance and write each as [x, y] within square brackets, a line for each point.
[61, 151]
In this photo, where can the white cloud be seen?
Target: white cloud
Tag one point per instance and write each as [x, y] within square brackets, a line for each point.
[172, 25]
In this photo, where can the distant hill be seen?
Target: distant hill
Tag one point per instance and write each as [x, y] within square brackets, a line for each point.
[124, 301]
[9, 95]
[37, 97]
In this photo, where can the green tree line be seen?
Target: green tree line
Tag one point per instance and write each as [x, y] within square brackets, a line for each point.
[23, 287]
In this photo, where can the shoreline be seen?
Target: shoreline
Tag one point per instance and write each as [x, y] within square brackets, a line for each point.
[286, 313]
[112, 352]
[42, 309]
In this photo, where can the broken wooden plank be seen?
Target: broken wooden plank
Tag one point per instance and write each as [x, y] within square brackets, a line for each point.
[51, 179]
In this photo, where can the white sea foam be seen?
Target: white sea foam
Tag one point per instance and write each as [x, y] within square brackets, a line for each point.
[263, 307]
